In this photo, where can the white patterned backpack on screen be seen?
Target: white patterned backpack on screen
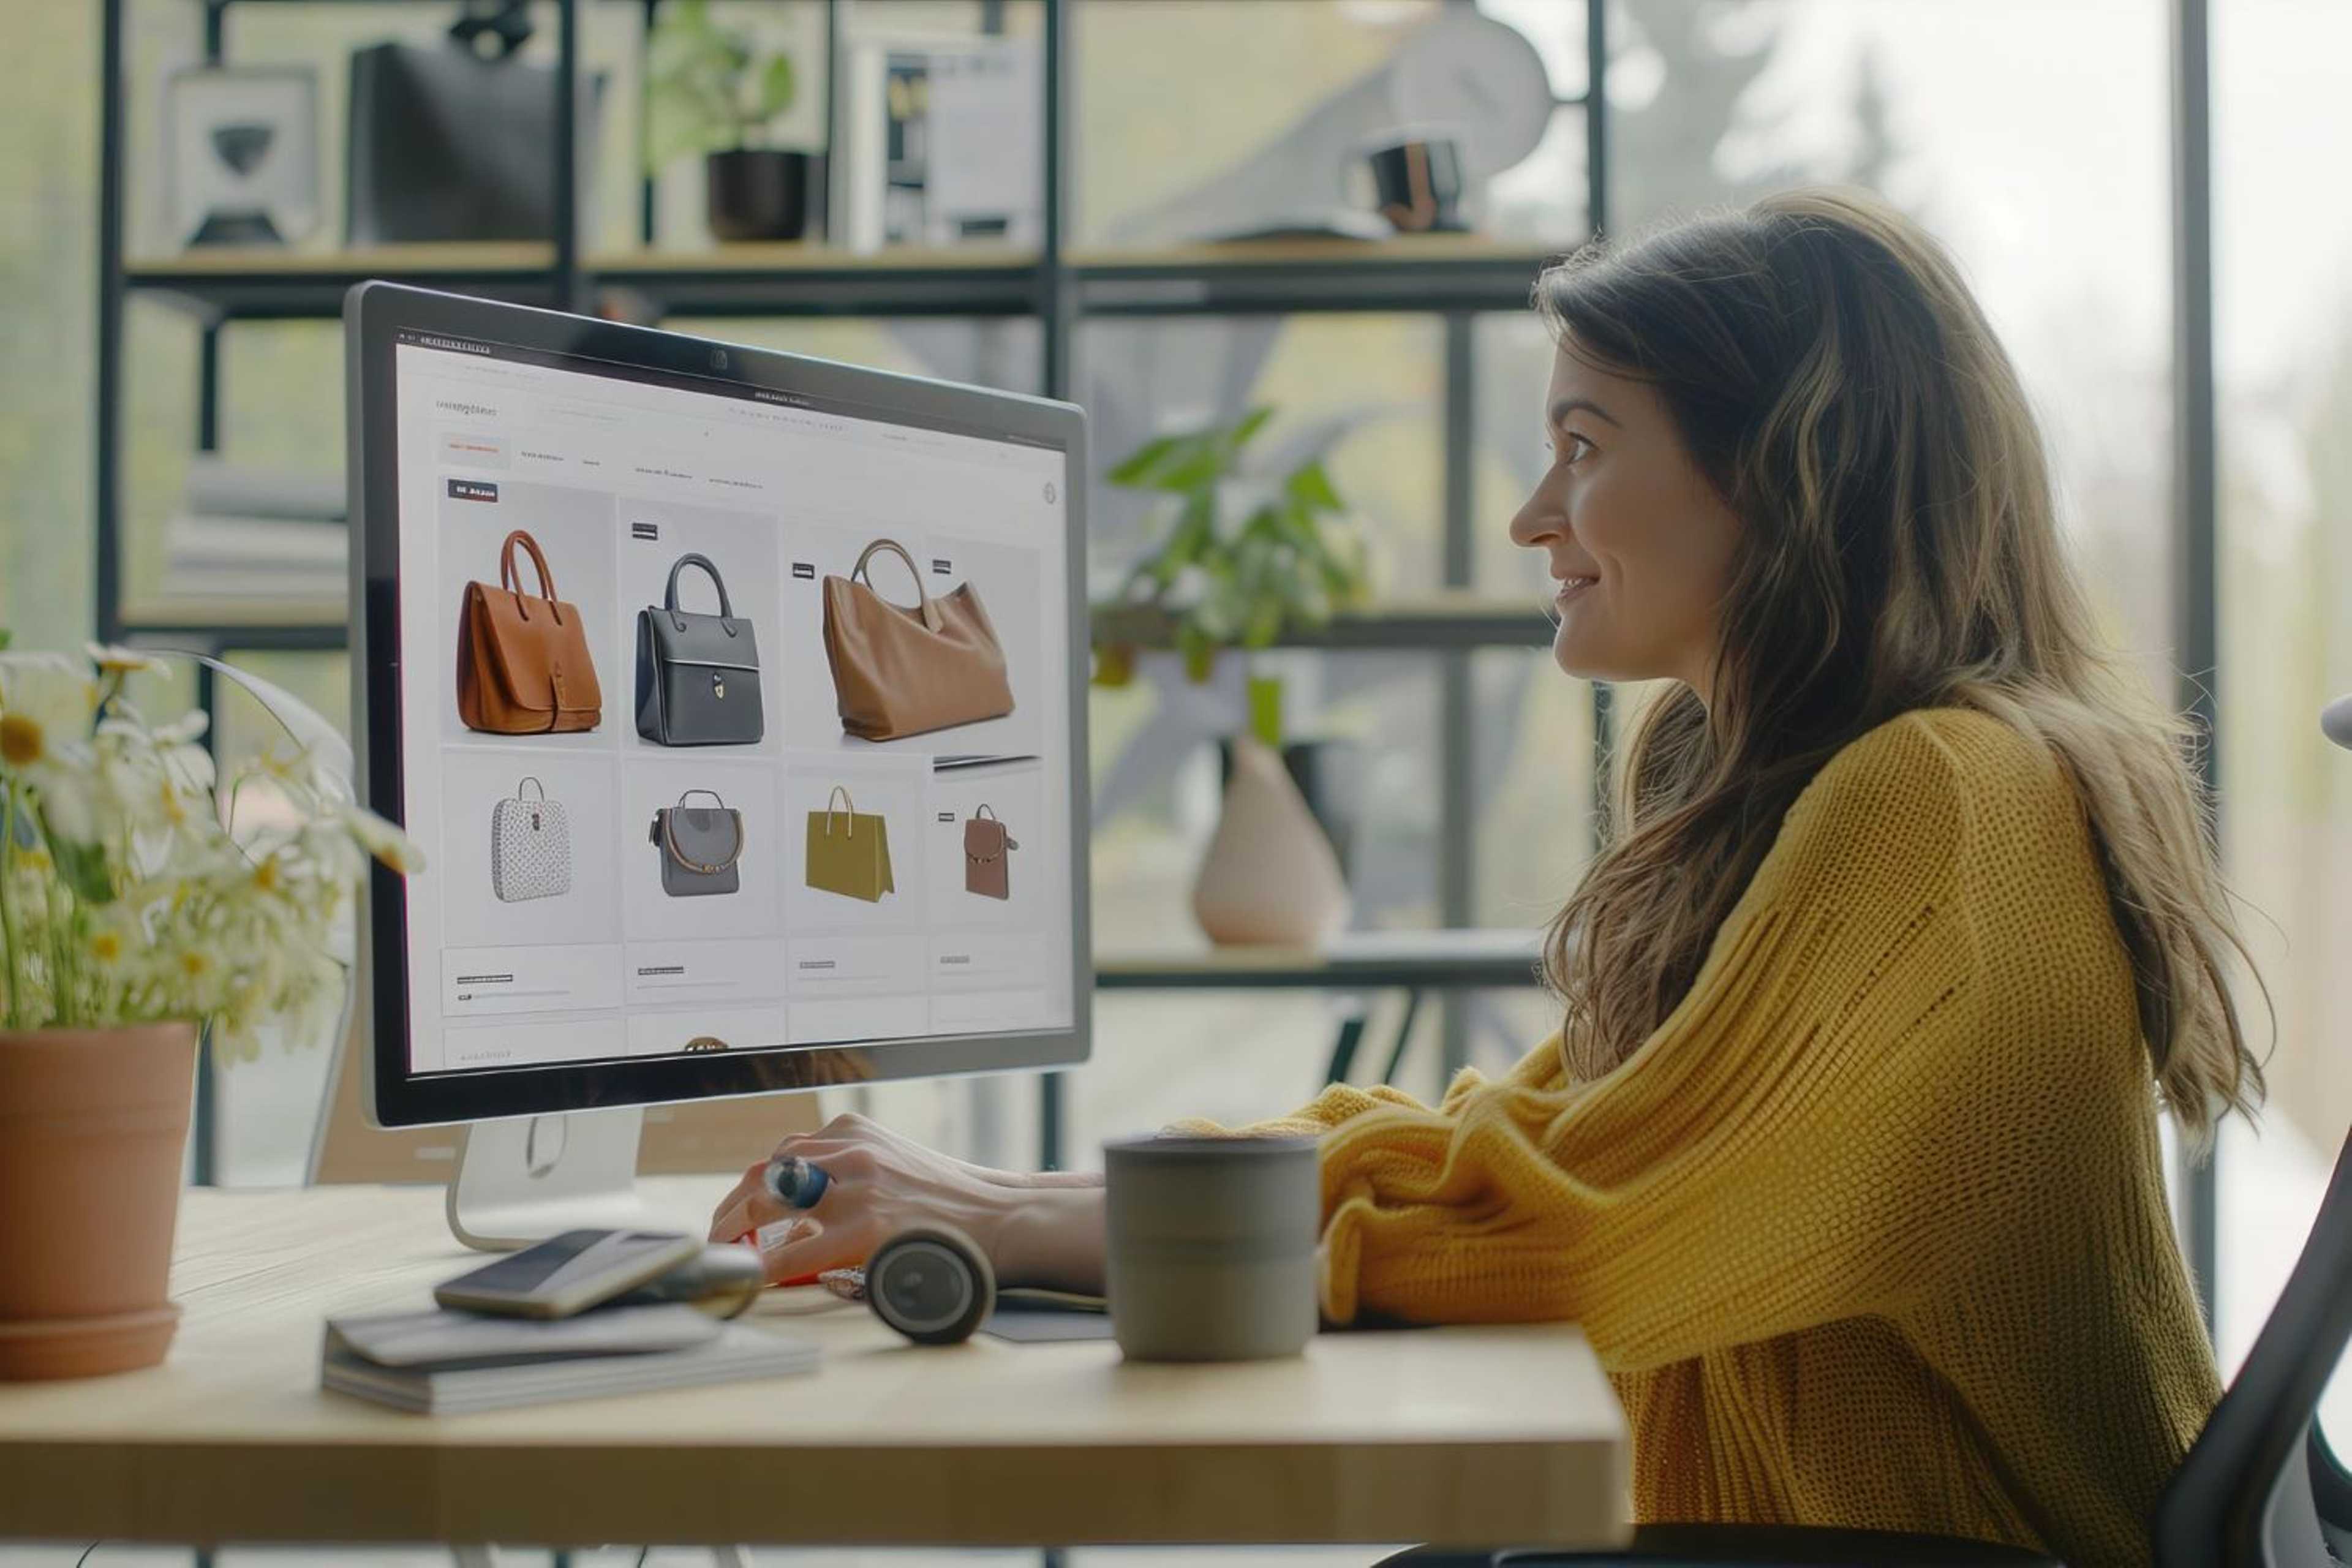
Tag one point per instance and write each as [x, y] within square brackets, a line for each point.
[531, 846]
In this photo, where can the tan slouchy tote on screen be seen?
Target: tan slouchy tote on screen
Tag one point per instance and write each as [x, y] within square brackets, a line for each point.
[898, 671]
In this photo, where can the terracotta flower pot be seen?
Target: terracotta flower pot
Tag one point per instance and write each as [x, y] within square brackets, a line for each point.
[93, 1124]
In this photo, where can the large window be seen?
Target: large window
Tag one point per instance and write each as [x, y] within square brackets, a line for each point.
[2283, 364]
[2030, 135]
[49, 245]
[1956, 112]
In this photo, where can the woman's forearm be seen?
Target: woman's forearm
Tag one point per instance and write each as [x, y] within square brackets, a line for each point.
[1052, 1237]
[1061, 1179]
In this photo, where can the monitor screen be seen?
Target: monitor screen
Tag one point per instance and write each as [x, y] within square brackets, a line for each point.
[733, 713]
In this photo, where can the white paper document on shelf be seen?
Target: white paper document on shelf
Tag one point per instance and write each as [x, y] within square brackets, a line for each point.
[940, 141]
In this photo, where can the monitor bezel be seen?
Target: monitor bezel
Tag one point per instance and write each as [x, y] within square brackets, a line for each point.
[374, 313]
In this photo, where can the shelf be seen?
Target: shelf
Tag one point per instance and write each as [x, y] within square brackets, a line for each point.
[1469, 958]
[794, 255]
[271, 260]
[266, 283]
[1462, 620]
[799, 279]
[252, 284]
[212, 625]
[1408, 273]
[1424, 273]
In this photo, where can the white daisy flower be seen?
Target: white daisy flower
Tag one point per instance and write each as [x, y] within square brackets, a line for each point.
[46, 705]
[112, 659]
[383, 840]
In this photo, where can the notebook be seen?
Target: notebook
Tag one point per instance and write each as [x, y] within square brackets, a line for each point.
[446, 1363]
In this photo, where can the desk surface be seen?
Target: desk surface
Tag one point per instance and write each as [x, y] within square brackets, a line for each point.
[1455, 1435]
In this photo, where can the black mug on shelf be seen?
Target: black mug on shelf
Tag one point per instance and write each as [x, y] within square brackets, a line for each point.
[1417, 182]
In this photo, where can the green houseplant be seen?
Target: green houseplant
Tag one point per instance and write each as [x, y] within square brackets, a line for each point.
[1245, 555]
[710, 89]
[1250, 550]
[143, 899]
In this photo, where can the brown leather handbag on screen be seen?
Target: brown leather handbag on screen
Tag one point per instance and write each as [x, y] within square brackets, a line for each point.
[899, 671]
[523, 659]
[985, 870]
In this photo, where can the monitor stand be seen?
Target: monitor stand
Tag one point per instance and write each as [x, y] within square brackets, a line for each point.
[521, 1180]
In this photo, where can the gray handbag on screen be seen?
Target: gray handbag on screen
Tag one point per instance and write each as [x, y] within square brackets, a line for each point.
[699, 846]
[698, 674]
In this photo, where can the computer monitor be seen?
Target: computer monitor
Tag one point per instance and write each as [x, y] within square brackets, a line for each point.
[736, 701]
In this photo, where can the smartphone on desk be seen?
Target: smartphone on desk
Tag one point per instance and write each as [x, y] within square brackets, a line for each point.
[568, 1273]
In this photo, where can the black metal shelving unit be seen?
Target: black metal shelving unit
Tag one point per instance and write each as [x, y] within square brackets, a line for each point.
[1059, 285]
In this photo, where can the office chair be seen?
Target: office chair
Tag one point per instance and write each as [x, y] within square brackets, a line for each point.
[2259, 1489]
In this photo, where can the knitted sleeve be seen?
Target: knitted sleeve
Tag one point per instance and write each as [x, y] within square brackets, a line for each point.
[1342, 1102]
[1790, 1146]
[1338, 1102]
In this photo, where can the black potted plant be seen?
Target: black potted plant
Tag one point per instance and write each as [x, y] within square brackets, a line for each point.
[712, 90]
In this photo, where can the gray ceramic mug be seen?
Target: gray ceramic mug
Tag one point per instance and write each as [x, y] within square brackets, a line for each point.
[1210, 1247]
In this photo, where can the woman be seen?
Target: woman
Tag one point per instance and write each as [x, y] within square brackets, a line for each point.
[1845, 1156]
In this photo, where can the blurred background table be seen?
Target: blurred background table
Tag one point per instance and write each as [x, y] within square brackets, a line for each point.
[1413, 962]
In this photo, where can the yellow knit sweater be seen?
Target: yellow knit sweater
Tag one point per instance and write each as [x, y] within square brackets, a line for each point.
[1872, 1230]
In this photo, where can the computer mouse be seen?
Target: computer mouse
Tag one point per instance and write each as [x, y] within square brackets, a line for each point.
[933, 1284]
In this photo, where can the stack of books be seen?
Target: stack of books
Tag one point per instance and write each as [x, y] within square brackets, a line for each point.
[444, 1362]
[257, 536]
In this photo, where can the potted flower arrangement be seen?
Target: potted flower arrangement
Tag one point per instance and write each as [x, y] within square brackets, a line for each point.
[710, 90]
[1250, 550]
[137, 914]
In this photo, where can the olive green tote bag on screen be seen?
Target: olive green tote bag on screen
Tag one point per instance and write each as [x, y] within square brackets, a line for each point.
[849, 850]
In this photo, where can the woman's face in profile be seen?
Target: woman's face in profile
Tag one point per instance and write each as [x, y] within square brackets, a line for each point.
[1639, 545]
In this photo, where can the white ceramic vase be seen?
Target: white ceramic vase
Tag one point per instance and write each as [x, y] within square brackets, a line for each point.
[1270, 876]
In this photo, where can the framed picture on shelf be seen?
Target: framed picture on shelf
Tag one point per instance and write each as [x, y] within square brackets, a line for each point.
[244, 164]
[940, 141]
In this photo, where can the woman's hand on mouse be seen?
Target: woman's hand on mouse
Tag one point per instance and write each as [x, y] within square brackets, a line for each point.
[882, 1182]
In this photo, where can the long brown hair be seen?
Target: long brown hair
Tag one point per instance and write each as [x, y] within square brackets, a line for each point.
[1832, 377]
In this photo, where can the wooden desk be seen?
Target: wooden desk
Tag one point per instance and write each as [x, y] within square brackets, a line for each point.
[1455, 1435]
